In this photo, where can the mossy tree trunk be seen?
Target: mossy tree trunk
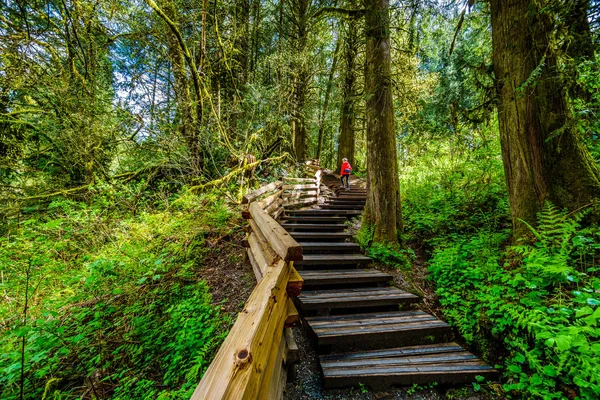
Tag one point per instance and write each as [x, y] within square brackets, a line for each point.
[544, 156]
[347, 119]
[383, 209]
[186, 82]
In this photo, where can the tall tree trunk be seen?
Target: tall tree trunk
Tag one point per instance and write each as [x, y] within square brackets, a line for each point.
[346, 142]
[300, 14]
[323, 115]
[544, 157]
[298, 123]
[383, 207]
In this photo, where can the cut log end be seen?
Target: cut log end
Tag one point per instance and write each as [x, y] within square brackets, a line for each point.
[294, 253]
[243, 358]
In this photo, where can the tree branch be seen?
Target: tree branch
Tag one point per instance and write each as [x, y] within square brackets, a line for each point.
[340, 12]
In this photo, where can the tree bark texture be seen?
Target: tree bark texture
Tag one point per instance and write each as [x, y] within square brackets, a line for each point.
[383, 209]
[347, 118]
[544, 157]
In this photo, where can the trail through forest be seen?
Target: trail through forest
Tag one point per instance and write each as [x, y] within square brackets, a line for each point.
[132, 132]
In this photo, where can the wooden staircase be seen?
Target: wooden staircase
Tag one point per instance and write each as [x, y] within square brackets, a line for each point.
[357, 320]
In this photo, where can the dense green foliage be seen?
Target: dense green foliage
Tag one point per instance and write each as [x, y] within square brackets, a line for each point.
[117, 303]
[537, 304]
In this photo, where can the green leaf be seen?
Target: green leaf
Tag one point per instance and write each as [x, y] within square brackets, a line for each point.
[563, 342]
[550, 371]
[584, 311]
[520, 358]
[515, 368]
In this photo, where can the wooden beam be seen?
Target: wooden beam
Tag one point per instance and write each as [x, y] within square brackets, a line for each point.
[279, 239]
[298, 187]
[295, 283]
[293, 353]
[255, 267]
[288, 178]
[279, 377]
[242, 364]
[298, 194]
[300, 202]
[267, 201]
[273, 207]
[250, 197]
[293, 318]
[262, 254]
[277, 213]
[269, 255]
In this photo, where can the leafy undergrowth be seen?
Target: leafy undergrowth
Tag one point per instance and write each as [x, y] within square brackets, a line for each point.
[118, 304]
[532, 309]
[537, 303]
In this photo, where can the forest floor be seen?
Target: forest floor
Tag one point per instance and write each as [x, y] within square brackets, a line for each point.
[230, 278]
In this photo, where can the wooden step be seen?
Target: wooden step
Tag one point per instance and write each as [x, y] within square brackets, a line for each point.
[327, 260]
[319, 212]
[351, 193]
[321, 236]
[444, 363]
[309, 219]
[338, 201]
[343, 206]
[315, 227]
[376, 330]
[359, 297]
[346, 277]
[358, 191]
[328, 247]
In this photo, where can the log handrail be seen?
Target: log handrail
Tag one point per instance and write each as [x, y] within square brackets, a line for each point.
[250, 362]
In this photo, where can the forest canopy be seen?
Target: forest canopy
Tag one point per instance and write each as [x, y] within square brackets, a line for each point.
[130, 129]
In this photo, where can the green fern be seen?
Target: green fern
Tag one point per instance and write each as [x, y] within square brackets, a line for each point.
[548, 260]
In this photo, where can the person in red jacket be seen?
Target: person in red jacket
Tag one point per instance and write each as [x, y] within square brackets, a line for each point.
[345, 173]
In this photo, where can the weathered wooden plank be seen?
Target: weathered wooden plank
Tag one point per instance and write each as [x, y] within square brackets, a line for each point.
[295, 283]
[300, 202]
[241, 365]
[281, 241]
[293, 317]
[395, 352]
[315, 227]
[334, 259]
[293, 353]
[255, 267]
[298, 187]
[277, 213]
[331, 278]
[250, 197]
[267, 201]
[289, 178]
[278, 380]
[273, 207]
[299, 194]
[320, 235]
[262, 252]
